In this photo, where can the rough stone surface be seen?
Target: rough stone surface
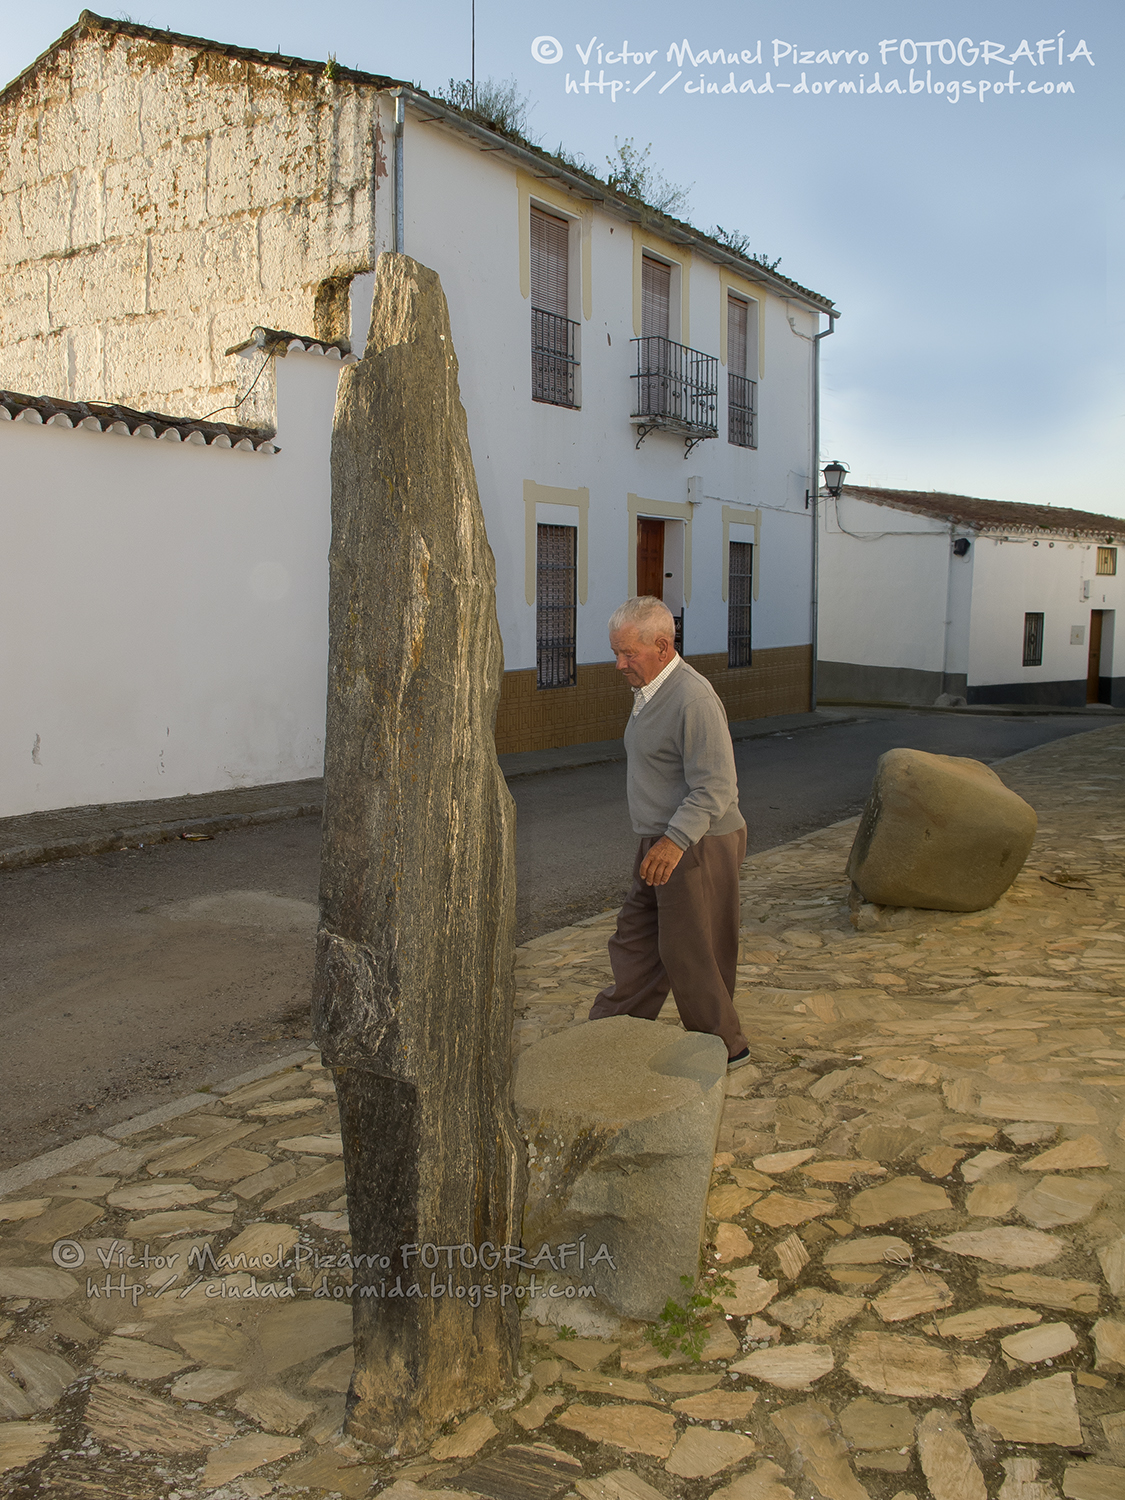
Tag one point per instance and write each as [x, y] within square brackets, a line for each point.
[125, 1418]
[901, 1198]
[939, 831]
[1047, 1341]
[947, 1460]
[700, 1454]
[246, 1454]
[1109, 1337]
[899, 1365]
[1005, 1247]
[812, 1437]
[621, 1118]
[792, 1367]
[1093, 1481]
[636, 1429]
[877, 1424]
[1043, 1411]
[413, 990]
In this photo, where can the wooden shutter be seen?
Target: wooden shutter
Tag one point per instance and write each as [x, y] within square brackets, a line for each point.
[737, 323]
[549, 240]
[650, 557]
[656, 293]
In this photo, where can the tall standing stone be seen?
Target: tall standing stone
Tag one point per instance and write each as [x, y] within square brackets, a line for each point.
[414, 979]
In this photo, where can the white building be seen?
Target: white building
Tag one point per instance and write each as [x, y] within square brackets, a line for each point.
[639, 396]
[925, 594]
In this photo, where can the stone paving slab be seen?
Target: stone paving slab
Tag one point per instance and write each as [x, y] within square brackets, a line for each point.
[918, 1196]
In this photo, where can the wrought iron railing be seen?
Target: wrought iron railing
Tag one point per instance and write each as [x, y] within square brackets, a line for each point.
[552, 358]
[742, 411]
[678, 642]
[675, 389]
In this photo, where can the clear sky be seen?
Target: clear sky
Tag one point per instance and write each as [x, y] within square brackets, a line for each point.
[971, 232]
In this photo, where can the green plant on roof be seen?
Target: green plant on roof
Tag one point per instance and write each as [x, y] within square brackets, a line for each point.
[735, 240]
[331, 67]
[497, 103]
[631, 174]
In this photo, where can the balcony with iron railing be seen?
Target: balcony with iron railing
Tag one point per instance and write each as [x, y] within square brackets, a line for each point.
[675, 389]
[742, 411]
[553, 361]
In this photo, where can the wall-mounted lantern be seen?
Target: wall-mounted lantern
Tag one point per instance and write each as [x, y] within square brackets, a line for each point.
[834, 476]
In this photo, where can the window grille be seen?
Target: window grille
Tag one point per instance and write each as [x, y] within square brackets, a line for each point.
[1107, 560]
[556, 614]
[739, 594]
[1033, 640]
[553, 361]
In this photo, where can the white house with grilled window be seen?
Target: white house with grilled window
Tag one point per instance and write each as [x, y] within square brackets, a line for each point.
[927, 597]
[639, 400]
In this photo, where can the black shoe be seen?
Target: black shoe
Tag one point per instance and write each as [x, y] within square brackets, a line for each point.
[739, 1060]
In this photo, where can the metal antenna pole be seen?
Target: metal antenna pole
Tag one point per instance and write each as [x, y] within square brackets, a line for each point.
[473, 58]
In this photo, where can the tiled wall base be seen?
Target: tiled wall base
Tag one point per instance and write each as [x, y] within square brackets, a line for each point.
[597, 707]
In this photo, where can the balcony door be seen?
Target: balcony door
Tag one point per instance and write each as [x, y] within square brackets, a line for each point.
[656, 298]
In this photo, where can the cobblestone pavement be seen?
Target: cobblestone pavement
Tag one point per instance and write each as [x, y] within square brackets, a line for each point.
[919, 1201]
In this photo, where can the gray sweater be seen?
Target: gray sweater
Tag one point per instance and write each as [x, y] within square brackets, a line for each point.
[681, 779]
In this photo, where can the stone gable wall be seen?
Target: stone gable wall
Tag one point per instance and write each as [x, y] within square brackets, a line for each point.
[158, 202]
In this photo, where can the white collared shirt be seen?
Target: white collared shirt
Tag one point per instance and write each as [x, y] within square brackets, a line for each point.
[641, 695]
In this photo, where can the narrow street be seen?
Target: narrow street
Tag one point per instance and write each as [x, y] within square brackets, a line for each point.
[132, 977]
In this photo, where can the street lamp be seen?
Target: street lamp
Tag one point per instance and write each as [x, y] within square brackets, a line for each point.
[834, 475]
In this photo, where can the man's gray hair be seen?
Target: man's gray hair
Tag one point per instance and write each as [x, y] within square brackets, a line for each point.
[647, 615]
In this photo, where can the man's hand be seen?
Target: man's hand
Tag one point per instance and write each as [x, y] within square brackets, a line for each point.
[660, 861]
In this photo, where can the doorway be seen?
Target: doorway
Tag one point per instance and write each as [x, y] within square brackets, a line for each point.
[660, 567]
[1099, 678]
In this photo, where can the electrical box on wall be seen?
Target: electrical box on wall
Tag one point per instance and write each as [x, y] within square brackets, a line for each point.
[1078, 635]
[1085, 588]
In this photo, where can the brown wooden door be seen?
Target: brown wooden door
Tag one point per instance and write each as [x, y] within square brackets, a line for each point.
[1094, 660]
[650, 557]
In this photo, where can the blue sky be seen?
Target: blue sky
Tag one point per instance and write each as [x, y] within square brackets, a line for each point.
[973, 238]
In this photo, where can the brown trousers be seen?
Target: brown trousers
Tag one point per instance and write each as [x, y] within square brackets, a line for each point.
[682, 937]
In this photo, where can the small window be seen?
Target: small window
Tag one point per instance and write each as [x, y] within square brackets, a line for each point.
[553, 360]
[741, 390]
[556, 591]
[739, 586]
[1107, 560]
[1033, 640]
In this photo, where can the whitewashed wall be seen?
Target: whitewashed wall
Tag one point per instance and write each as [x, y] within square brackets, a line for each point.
[163, 608]
[451, 190]
[883, 586]
[1015, 576]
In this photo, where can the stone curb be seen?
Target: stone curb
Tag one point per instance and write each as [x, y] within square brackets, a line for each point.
[51, 1163]
[151, 833]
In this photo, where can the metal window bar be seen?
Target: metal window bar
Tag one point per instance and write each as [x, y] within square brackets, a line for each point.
[1107, 560]
[742, 411]
[556, 615]
[552, 358]
[739, 595]
[678, 638]
[675, 387]
[1033, 640]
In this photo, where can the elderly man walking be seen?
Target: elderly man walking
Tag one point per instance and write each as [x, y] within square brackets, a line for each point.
[678, 928]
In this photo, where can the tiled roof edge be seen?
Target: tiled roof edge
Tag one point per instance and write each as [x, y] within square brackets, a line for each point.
[576, 177]
[991, 515]
[280, 341]
[97, 416]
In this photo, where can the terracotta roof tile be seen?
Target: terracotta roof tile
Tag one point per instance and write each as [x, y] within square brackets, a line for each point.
[98, 416]
[992, 515]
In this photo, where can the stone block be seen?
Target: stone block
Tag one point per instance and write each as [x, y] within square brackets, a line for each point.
[939, 832]
[621, 1119]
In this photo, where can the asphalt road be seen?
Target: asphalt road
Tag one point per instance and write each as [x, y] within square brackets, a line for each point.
[128, 979]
